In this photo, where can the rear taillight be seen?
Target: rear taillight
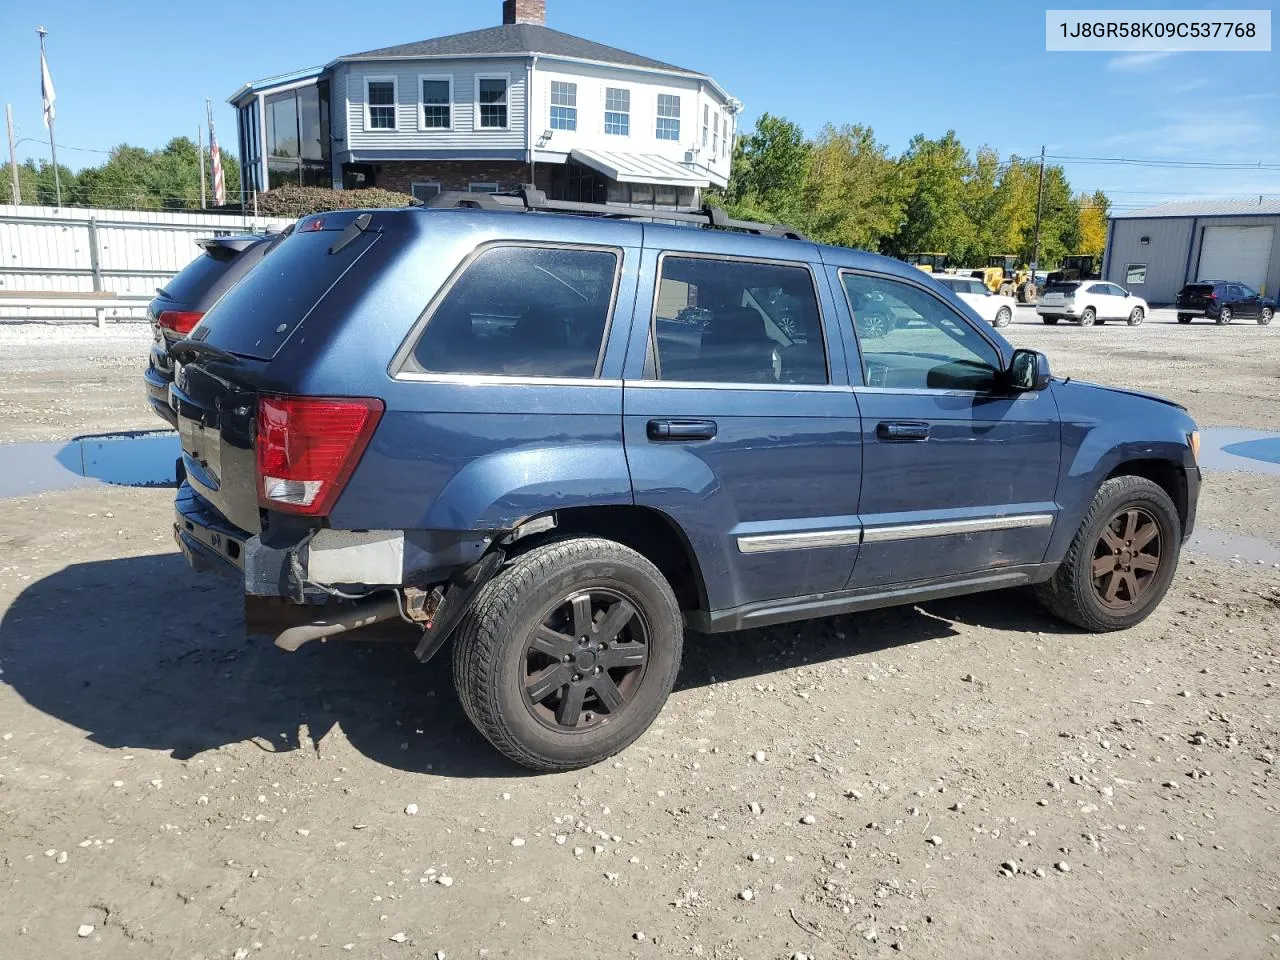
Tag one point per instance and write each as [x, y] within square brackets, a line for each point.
[307, 448]
[1211, 296]
[180, 321]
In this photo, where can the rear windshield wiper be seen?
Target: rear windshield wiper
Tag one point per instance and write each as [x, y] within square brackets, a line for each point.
[184, 351]
[356, 227]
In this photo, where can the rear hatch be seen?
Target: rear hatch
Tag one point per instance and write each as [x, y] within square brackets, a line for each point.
[225, 366]
[1195, 295]
[1058, 293]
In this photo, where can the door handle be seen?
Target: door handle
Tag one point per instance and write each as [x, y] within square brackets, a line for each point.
[902, 432]
[678, 430]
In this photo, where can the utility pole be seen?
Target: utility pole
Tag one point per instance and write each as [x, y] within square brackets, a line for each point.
[1035, 255]
[53, 149]
[13, 156]
[200, 147]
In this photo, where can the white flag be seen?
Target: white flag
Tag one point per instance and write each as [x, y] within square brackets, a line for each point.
[47, 96]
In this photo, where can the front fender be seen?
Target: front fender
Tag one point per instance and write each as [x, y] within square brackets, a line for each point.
[1102, 429]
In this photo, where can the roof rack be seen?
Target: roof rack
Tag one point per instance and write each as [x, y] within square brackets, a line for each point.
[528, 197]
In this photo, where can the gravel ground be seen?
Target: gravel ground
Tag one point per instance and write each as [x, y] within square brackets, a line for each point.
[966, 778]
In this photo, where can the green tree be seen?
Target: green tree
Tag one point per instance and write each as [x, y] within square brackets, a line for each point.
[1094, 209]
[854, 191]
[936, 219]
[771, 167]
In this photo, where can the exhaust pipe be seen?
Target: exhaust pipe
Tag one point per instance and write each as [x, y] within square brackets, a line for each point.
[365, 615]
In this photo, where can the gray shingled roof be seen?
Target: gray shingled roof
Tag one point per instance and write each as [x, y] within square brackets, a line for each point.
[518, 38]
[1203, 208]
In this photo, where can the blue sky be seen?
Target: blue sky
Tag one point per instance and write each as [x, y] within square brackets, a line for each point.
[139, 70]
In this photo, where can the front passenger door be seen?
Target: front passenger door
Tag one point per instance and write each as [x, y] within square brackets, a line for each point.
[959, 475]
[1246, 305]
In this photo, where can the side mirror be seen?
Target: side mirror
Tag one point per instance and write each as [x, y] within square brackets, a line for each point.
[1028, 370]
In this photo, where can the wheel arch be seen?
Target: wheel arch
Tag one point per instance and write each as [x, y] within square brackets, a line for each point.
[1168, 475]
[649, 532]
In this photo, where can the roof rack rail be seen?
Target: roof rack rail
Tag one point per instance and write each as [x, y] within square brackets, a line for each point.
[528, 197]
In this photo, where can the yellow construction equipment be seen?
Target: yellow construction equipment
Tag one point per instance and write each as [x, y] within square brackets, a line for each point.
[1002, 275]
[1076, 267]
[928, 262]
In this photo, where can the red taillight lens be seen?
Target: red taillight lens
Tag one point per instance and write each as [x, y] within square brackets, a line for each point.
[307, 448]
[1211, 296]
[180, 321]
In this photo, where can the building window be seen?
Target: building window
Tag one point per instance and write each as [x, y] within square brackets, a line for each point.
[1135, 273]
[715, 138]
[491, 98]
[437, 103]
[706, 113]
[668, 117]
[298, 137]
[564, 105]
[482, 188]
[617, 111]
[425, 190]
[380, 103]
[250, 150]
[728, 138]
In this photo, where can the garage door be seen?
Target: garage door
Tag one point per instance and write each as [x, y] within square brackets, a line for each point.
[1236, 253]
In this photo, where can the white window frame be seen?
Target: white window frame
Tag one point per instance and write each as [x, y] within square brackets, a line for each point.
[422, 103]
[475, 118]
[706, 123]
[426, 183]
[395, 104]
[715, 135]
[484, 187]
[678, 118]
[624, 113]
[552, 105]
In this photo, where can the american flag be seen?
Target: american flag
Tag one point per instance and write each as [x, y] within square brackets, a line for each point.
[219, 185]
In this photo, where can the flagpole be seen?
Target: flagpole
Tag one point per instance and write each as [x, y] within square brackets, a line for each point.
[200, 147]
[53, 149]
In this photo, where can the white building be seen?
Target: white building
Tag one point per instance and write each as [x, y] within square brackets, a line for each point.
[489, 110]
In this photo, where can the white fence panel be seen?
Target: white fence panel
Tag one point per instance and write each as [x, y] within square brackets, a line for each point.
[126, 252]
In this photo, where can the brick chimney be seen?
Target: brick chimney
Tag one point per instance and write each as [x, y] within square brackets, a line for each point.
[525, 11]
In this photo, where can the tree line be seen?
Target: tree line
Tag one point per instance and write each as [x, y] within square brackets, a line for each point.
[844, 187]
[131, 179]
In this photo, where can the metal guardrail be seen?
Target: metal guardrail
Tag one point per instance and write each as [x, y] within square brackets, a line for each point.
[99, 304]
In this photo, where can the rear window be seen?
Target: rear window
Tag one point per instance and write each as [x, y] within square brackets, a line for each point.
[196, 279]
[259, 314]
[1198, 289]
[1062, 288]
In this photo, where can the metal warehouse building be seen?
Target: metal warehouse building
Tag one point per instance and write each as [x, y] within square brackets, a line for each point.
[1154, 251]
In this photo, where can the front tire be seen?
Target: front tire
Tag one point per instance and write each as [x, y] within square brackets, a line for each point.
[1136, 316]
[1004, 316]
[1184, 318]
[569, 653]
[1088, 317]
[1122, 560]
[1265, 317]
[1224, 316]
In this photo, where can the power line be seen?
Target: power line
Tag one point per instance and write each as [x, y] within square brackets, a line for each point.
[1168, 164]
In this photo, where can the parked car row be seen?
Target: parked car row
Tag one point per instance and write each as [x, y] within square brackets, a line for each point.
[558, 441]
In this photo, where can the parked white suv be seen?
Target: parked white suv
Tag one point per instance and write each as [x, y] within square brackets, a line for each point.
[991, 307]
[1087, 302]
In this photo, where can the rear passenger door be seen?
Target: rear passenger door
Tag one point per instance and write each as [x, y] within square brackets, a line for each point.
[959, 475]
[738, 419]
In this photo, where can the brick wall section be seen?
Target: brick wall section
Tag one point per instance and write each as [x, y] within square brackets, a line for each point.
[524, 11]
[399, 175]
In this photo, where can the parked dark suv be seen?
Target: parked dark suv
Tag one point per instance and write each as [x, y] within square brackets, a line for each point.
[1223, 301]
[492, 422]
[184, 300]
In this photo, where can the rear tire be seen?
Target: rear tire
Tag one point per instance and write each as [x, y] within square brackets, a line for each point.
[1265, 317]
[1004, 316]
[1088, 317]
[1114, 574]
[1050, 320]
[1136, 316]
[1184, 318]
[1224, 316]
[533, 667]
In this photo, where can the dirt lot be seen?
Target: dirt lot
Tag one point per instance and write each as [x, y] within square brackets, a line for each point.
[185, 793]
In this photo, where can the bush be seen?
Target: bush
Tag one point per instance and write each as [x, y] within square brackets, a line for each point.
[290, 201]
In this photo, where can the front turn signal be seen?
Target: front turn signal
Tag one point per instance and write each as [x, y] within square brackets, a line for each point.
[1193, 439]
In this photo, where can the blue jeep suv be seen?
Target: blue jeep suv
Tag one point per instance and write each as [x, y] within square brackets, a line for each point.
[492, 422]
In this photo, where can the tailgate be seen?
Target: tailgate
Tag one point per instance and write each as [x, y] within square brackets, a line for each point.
[216, 415]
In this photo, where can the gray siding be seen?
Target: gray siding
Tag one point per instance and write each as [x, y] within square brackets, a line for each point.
[465, 135]
[338, 117]
[1173, 252]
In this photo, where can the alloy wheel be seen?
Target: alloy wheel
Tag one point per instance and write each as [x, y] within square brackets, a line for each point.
[1126, 559]
[585, 660]
[873, 325]
[1265, 316]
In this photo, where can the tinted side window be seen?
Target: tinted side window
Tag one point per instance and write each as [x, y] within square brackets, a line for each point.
[729, 321]
[909, 339]
[523, 311]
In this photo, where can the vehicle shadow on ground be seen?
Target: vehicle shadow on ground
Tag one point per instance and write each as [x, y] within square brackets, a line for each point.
[100, 646]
